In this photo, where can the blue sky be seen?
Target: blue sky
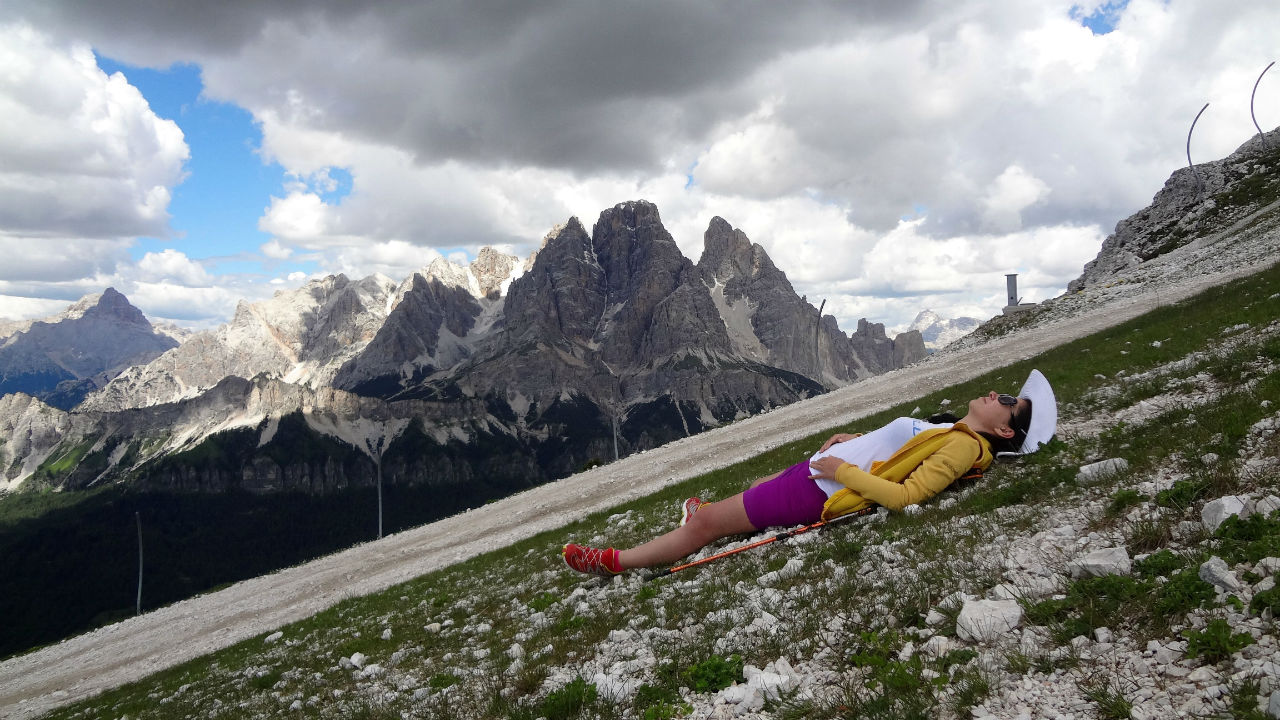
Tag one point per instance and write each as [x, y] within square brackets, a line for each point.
[1102, 19]
[890, 159]
[227, 184]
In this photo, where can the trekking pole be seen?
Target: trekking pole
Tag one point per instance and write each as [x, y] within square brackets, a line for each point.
[780, 536]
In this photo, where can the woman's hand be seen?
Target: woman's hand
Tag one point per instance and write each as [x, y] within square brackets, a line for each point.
[825, 468]
[838, 438]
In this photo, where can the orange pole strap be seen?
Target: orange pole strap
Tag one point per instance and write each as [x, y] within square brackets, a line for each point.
[758, 543]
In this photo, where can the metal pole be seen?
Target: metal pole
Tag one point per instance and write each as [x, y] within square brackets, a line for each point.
[1199, 181]
[1261, 136]
[137, 610]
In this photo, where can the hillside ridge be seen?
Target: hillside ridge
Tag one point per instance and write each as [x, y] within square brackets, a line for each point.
[129, 650]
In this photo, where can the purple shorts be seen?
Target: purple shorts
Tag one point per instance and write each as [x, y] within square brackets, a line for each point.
[789, 499]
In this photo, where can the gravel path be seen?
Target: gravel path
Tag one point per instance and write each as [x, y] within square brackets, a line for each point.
[130, 650]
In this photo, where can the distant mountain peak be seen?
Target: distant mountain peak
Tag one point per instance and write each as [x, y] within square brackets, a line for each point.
[937, 332]
[61, 359]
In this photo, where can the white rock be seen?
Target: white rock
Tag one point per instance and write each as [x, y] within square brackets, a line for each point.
[770, 684]
[986, 620]
[1217, 511]
[386, 634]
[1267, 505]
[516, 651]
[1216, 573]
[432, 628]
[1103, 635]
[1107, 561]
[1273, 705]
[1101, 470]
[913, 509]
[357, 660]
[615, 689]
[273, 638]
[1201, 675]
[1004, 591]
[1268, 566]
[936, 646]
[744, 698]
[793, 568]
[1209, 458]
[934, 618]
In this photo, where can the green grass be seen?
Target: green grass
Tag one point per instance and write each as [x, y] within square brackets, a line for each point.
[700, 627]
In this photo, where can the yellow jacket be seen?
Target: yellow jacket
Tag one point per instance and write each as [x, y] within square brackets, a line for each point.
[920, 469]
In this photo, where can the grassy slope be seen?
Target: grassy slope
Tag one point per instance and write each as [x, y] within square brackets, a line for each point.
[698, 627]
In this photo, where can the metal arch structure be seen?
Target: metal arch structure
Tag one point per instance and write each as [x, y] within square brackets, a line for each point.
[1199, 180]
[1261, 135]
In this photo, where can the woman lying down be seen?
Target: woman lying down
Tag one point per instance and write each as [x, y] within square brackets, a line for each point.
[903, 463]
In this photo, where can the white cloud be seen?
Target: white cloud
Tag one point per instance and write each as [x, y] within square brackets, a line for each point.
[299, 216]
[274, 250]
[1008, 195]
[81, 153]
[1007, 132]
[173, 266]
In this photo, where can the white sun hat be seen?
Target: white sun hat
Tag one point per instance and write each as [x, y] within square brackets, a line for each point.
[1044, 411]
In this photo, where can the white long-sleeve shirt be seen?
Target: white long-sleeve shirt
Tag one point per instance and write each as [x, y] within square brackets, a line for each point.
[879, 444]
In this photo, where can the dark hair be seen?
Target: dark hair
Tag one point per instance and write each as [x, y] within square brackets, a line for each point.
[1021, 423]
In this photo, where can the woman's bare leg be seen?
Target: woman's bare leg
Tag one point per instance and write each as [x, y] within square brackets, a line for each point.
[712, 522]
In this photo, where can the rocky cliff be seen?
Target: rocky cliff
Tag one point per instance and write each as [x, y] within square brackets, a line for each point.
[1195, 204]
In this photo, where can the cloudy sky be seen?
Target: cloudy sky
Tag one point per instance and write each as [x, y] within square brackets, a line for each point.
[891, 155]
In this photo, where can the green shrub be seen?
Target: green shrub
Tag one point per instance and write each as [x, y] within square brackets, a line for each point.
[1122, 500]
[1243, 701]
[1184, 592]
[1249, 540]
[543, 601]
[1111, 703]
[1160, 564]
[1182, 495]
[1216, 642]
[1266, 600]
[569, 700]
[714, 673]
[441, 681]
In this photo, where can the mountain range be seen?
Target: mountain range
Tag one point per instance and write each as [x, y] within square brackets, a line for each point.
[937, 332]
[493, 376]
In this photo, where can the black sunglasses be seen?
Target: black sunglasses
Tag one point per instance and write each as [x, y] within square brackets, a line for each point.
[1011, 402]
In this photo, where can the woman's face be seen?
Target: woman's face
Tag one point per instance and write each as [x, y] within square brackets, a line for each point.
[992, 412]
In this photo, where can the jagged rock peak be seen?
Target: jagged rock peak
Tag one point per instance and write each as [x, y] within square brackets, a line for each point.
[632, 215]
[488, 276]
[728, 254]
[111, 305]
[494, 271]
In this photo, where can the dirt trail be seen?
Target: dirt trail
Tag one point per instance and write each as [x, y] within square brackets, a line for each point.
[130, 650]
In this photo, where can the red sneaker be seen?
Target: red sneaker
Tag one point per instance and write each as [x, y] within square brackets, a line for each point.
[690, 507]
[593, 561]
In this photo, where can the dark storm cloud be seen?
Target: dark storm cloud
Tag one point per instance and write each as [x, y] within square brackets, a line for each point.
[581, 85]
